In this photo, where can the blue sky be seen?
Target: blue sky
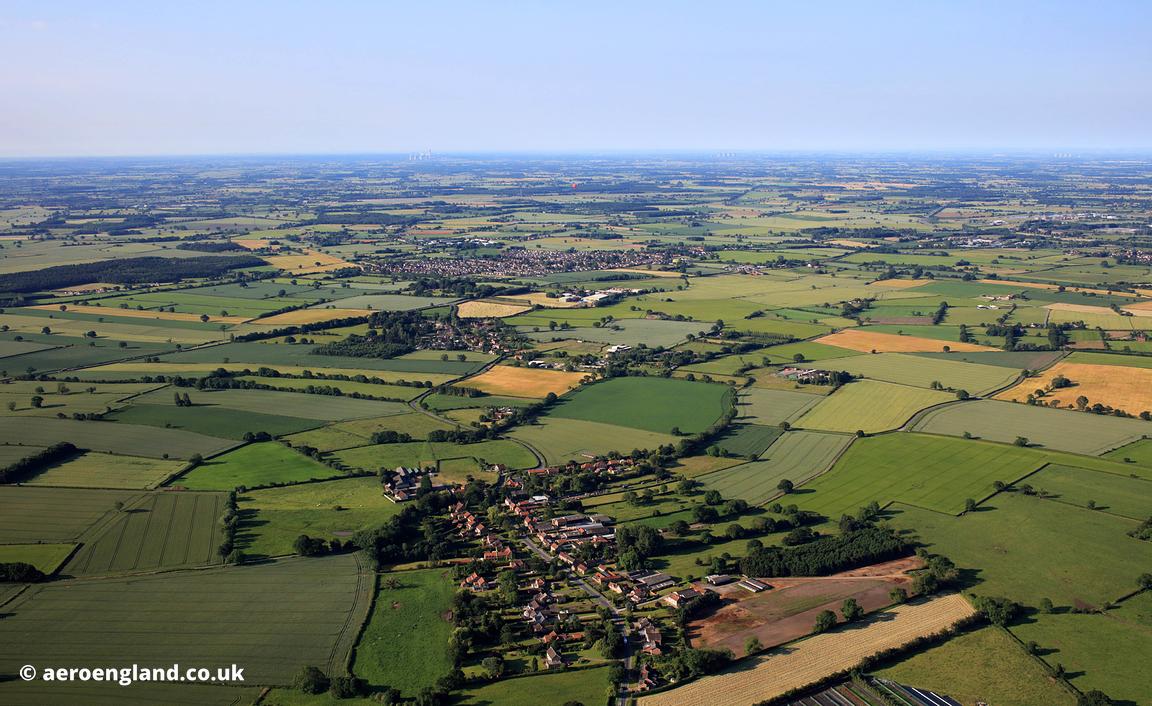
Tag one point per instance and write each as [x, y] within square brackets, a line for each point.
[118, 78]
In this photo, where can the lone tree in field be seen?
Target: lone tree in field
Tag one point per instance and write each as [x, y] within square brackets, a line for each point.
[825, 621]
[1021, 441]
[311, 680]
[851, 610]
[752, 646]
[785, 486]
[969, 505]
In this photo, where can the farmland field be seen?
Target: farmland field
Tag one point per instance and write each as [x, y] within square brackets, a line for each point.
[870, 406]
[561, 440]
[653, 404]
[1128, 496]
[117, 438]
[749, 440]
[1057, 429]
[210, 420]
[922, 372]
[292, 404]
[983, 665]
[932, 472]
[769, 407]
[523, 382]
[54, 514]
[1126, 388]
[867, 341]
[101, 470]
[420, 454]
[796, 456]
[218, 616]
[386, 654]
[160, 530]
[1103, 651]
[272, 519]
[808, 661]
[1031, 549]
[586, 686]
[254, 465]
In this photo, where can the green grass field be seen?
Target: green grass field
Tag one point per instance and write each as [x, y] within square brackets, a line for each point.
[392, 392]
[100, 470]
[359, 432]
[1112, 493]
[870, 406]
[561, 440]
[585, 686]
[46, 557]
[54, 514]
[1107, 652]
[162, 530]
[652, 404]
[984, 665]
[1064, 430]
[796, 456]
[242, 615]
[273, 518]
[437, 402]
[405, 643]
[937, 473]
[112, 437]
[1028, 549]
[252, 466]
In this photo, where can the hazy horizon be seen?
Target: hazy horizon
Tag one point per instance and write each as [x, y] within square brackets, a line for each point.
[130, 79]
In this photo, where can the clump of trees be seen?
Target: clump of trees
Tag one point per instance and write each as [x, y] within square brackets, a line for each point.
[826, 555]
[20, 572]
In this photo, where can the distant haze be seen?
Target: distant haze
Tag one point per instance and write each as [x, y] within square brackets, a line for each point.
[154, 78]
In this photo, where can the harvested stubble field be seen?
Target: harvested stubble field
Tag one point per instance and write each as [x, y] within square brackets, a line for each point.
[805, 662]
[1126, 388]
[870, 406]
[523, 382]
[491, 309]
[866, 341]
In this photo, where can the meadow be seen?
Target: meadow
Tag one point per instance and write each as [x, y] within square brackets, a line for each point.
[422, 454]
[931, 472]
[272, 519]
[586, 686]
[922, 372]
[982, 665]
[1112, 493]
[252, 466]
[46, 557]
[1029, 549]
[386, 655]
